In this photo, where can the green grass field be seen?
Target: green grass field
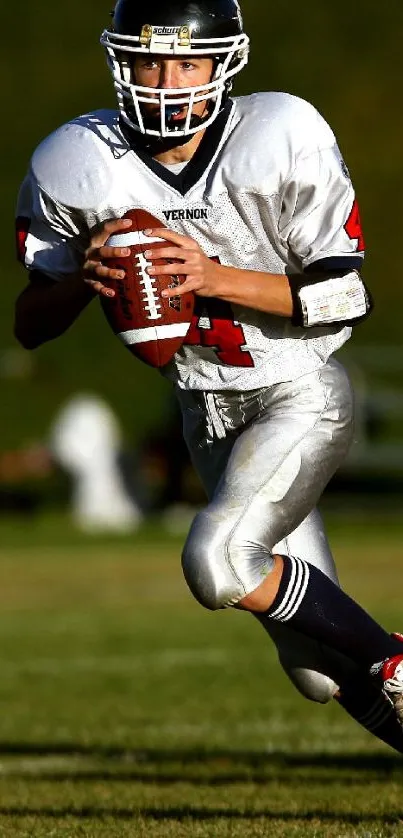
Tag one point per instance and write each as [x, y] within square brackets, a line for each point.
[127, 710]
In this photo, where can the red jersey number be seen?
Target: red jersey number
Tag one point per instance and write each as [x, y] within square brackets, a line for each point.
[223, 334]
[353, 227]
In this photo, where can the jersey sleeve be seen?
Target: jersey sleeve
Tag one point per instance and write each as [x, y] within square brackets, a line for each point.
[320, 222]
[50, 237]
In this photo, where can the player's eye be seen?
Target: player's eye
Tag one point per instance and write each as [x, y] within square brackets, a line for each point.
[147, 64]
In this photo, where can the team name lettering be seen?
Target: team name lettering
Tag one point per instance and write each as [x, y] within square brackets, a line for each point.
[186, 214]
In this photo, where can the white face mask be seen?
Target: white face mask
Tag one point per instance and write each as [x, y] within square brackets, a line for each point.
[230, 55]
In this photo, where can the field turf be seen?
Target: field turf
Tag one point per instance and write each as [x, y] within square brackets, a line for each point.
[127, 710]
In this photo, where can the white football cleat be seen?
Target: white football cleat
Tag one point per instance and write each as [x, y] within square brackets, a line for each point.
[392, 676]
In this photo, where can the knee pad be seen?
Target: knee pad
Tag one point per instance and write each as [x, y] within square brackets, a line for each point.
[207, 574]
[219, 568]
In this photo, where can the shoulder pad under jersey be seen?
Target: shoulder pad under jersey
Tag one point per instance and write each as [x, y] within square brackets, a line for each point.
[75, 164]
[279, 127]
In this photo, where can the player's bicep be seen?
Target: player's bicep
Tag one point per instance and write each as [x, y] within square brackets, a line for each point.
[320, 222]
[322, 229]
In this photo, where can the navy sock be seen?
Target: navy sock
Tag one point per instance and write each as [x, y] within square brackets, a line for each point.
[368, 705]
[311, 603]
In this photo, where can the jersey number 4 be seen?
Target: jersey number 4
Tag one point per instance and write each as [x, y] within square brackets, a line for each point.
[222, 333]
[353, 227]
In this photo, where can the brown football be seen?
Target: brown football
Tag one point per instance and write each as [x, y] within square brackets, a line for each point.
[151, 326]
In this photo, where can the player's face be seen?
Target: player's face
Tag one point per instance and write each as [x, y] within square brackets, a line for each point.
[172, 73]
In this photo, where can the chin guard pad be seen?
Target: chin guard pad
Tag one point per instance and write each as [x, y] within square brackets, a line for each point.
[331, 298]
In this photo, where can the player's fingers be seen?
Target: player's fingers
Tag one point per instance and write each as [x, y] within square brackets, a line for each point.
[107, 252]
[109, 273]
[93, 270]
[95, 255]
[113, 225]
[184, 288]
[173, 268]
[172, 236]
[166, 253]
[99, 288]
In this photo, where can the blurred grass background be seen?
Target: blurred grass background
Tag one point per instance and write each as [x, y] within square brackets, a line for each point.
[126, 709]
[345, 58]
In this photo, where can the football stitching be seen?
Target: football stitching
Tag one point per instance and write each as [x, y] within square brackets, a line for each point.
[150, 295]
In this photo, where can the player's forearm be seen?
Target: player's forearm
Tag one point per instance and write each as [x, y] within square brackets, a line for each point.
[262, 291]
[43, 311]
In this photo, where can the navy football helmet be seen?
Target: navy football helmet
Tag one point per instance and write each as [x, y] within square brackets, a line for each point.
[210, 28]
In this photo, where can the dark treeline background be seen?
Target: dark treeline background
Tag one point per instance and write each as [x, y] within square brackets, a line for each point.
[344, 57]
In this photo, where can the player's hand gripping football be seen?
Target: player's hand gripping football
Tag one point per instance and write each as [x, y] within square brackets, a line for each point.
[186, 257]
[95, 272]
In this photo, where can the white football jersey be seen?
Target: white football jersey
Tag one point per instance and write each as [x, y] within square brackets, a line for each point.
[267, 190]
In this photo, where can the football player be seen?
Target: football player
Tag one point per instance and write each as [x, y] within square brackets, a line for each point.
[262, 220]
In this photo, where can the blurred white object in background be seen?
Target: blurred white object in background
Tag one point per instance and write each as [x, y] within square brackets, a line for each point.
[85, 439]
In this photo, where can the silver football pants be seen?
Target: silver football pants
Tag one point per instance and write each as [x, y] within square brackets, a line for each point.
[265, 457]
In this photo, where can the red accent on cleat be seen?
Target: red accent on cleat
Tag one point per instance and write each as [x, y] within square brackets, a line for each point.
[392, 674]
[389, 667]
